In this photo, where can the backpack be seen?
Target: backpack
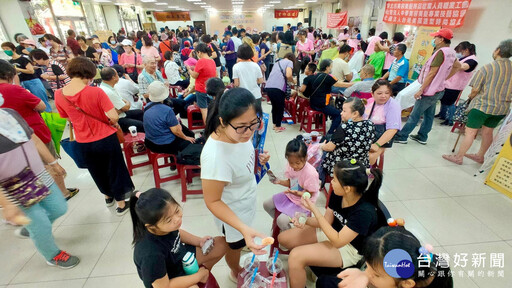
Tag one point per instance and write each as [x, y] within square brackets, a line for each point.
[191, 155]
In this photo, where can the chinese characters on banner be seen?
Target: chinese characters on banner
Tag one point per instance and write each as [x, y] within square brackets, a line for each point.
[172, 16]
[445, 13]
[286, 13]
[336, 20]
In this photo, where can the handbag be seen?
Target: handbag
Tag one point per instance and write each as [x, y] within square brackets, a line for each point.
[460, 114]
[288, 89]
[25, 188]
[57, 125]
[119, 132]
[135, 74]
[72, 148]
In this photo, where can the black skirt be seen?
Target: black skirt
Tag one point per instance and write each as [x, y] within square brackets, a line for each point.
[106, 164]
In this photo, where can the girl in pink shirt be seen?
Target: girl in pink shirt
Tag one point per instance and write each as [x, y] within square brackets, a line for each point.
[301, 177]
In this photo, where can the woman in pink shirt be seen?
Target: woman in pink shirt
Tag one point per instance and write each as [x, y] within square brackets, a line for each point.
[304, 49]
[130, 59]
[148, 50]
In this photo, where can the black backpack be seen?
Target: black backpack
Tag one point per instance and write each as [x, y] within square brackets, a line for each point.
[191, 155]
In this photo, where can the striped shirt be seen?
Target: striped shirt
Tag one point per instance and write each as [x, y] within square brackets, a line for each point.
[53, 83]
[494, 87]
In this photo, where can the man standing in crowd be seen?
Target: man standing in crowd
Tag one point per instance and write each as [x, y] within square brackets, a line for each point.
[432, 78]
[72, 43]
[490, 96]
[397, 74]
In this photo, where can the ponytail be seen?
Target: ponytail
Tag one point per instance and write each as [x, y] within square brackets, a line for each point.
[472, 49]
[231, 105]
[372, 193]
[147, 209]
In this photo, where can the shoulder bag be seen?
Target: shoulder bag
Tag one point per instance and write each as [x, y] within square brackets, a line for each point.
[287, 87]
[135, 74]
[119, 132]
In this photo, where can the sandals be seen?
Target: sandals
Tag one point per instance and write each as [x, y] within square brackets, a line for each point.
[476, 158]
[279, 129]
[72, 192]
[453, 159]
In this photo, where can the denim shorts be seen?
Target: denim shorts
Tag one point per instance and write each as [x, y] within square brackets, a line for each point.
[203, 100]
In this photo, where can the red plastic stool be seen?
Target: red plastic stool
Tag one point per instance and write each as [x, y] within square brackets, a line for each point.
[129, 141]
[153, 157]
[311, 117]
[275, 234]
[186, 173]
[174, 90]
[302, 105]
[291, 107]
[194, 124]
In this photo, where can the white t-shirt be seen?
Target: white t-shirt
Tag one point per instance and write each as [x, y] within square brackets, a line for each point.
[248, 73]
[172, 71]
[234, 164]
[127, 89]
[114, 97]
[340, 68]
[237, 41]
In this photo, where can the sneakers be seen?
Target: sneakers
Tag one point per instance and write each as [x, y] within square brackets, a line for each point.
[109, 202]
[22, 233]
[122, 211]
[64, 261]
[400, 141]
[417, 139]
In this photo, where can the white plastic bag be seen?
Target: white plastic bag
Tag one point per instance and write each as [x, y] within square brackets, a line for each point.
[406, 96]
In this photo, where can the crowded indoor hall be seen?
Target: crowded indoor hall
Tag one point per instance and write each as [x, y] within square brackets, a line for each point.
[255, 144]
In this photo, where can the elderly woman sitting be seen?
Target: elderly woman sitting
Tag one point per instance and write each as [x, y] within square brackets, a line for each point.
[164, 133]
[385, 113]
[151, 74]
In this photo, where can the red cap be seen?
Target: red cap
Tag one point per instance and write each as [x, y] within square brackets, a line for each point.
[443, 32]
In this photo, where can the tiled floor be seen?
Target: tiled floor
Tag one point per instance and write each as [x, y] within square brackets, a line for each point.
[443, 204]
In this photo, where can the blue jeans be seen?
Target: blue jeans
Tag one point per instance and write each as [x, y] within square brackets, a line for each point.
[36, 87]
[337, 90]
[335, 115]
[426, 106]
[42, 216]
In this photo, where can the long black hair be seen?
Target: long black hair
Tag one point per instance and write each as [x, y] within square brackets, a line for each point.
[232, 104]
[148, 209]
[389, 238]
[353, 173]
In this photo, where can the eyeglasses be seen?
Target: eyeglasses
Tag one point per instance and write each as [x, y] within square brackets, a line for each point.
[243, 129]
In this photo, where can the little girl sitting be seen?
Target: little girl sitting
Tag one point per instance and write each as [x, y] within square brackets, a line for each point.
[301, 177]
[160, 244]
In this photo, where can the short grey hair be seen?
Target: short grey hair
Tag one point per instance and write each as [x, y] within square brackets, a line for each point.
[505, 48]
[368, 69]
[147, 59]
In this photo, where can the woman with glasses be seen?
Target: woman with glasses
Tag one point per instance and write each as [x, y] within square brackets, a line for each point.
[227, 171]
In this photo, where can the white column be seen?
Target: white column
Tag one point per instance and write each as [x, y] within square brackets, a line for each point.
[112, 17]
[12, 18]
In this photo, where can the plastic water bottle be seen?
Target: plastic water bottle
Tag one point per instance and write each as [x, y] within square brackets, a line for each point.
[190, 263]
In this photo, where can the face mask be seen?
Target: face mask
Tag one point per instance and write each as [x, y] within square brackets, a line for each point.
[48, 43]
[29, 49]
[112, 42]
[8, 53]
[98, 50]
[458, 55]
[433, 42]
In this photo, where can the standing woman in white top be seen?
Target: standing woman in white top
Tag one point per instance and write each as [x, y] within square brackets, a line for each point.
[227, 171]
[247, 74]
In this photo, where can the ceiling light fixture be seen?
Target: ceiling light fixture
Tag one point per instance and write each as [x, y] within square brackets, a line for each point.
[274, 2]
[310, 1]
[236, 3]
[194, 0]
[300, 4]
[160, 4]
[148, 1]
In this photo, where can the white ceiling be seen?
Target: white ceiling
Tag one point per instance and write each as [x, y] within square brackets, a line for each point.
[220, 5]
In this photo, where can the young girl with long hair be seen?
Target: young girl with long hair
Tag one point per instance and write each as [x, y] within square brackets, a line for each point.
[336, 238]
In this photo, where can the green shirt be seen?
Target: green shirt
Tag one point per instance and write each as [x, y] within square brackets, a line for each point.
[330, 53]
[377, 60]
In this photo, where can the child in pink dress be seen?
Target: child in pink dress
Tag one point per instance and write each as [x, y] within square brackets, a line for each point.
[300, 177]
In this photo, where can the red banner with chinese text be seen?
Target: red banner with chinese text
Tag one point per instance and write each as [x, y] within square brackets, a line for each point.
[172, 16]
[336, 20]
[286, 13]
[445, 13]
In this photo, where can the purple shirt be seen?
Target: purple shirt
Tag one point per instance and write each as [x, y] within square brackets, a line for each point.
[276, 78]
[389, 113]
[230, 47]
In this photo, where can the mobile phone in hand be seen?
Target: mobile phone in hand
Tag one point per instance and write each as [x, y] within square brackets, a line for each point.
[271, 176]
